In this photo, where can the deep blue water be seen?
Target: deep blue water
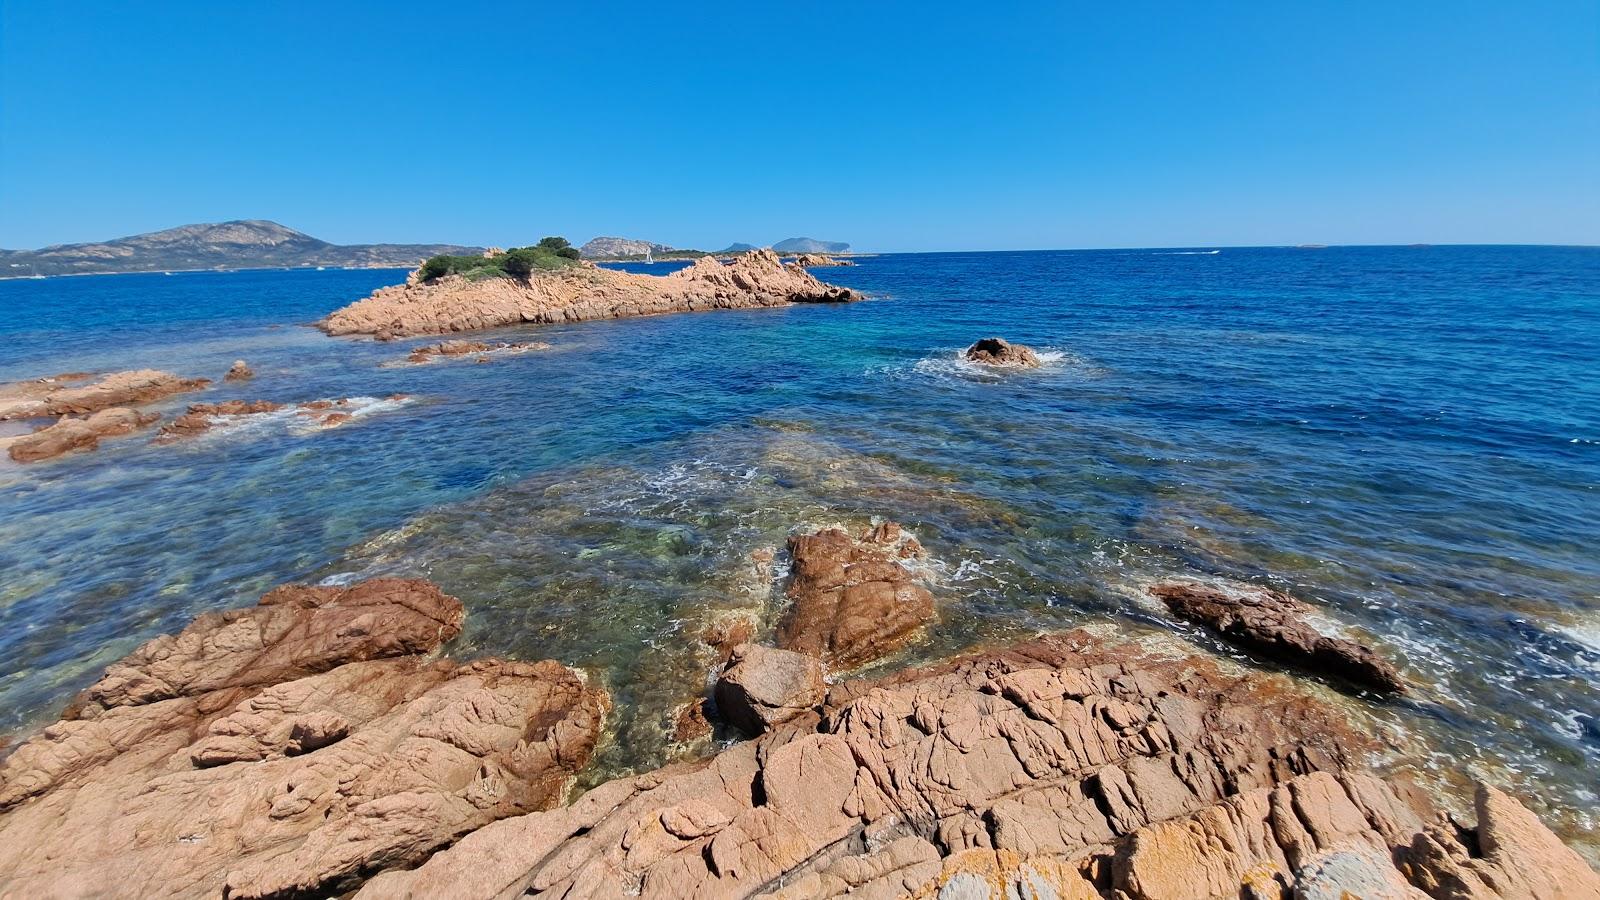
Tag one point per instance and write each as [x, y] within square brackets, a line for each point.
[1409, 437]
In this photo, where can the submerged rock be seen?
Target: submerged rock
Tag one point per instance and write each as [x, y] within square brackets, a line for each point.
[580, 292]
[446, 349]
[239, 371]
[71, 435]
[996, 351]
[1272, 624]
[287, 750]
[64, 395]
[851, 599]
[762, 687]
[1063, 767]
[202, 417]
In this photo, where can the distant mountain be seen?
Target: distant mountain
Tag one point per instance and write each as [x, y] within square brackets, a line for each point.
[738, 248]
[611, 247]
[243, 244]
[807, 245]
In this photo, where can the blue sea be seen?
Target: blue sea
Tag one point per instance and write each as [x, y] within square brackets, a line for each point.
[1409, 438]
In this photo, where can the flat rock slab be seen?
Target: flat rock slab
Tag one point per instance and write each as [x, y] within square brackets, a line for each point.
[288, 750]
[70, 435]
[852, 600]
[74, 394]
[1062, 767]
[1272, 624]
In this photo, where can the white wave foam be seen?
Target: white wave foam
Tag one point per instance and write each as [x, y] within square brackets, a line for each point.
[952, 364]
[295, 419]
[1185, 252]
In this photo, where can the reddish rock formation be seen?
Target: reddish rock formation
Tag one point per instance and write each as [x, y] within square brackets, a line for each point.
[201, 417]
[58, 396]
[580, 292]
[813, 260]
[446, 349]
[287, 750]
[295, 630]
[851, 600]
[1062, 767]
[762, 687]
[1271, 623]
[70, 435]
[239, 371]
[1000, 352]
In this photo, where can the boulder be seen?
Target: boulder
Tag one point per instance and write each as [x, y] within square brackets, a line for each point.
[288, 750]
[70, 435]
[851, 599]
[996, 351]
[239, 371]
[1066, 766]
[1272, 624]
[761, 687]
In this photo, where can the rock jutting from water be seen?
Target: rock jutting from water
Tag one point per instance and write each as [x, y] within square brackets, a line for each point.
[64, 395]
[851, 598]
[70, 435]
[761, 688]
[815, 260]
[996, 351]
[1273, 624]
[1069, 766]
[577, 293]
[481, 349]
[239, 371]
[286, 750]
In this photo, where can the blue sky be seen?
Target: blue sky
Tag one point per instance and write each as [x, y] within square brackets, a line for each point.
[922, 126]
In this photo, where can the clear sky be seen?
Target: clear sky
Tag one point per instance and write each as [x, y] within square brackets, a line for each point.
[915, 126]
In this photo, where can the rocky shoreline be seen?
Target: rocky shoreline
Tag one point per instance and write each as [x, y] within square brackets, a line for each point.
[579, 292]
[315, 744]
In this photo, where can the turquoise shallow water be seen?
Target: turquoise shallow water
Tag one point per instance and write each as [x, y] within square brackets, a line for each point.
[1409, 437]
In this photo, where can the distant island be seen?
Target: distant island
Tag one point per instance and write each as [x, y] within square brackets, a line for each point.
[613, 249]
[240, 244]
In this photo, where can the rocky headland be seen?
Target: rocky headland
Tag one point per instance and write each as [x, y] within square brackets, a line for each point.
[579, 292]
[313, 745]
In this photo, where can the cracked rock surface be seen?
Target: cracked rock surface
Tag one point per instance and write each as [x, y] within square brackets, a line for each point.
[1064, 767]
[287, 750]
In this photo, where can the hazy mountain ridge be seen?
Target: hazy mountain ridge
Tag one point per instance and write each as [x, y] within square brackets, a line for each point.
[606, 247]
[810, 245]
[626, 248]
[239, 244]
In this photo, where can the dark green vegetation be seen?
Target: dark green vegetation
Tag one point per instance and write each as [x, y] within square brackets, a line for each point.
[245, 244]
[518, 262]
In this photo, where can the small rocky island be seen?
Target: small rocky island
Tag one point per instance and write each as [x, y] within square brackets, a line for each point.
[549, 283]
